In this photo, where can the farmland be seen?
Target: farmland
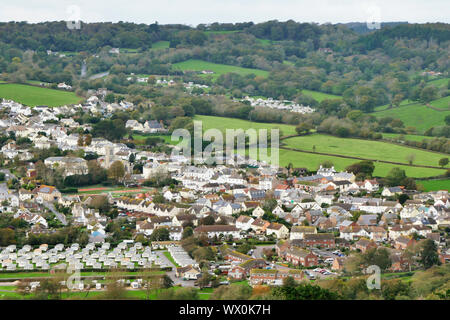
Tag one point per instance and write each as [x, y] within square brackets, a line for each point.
[367, 149]
[210, 122]
[319, 96]
[417, 115]
[218, 69]
[160, 45]
[435, 185]
[312, 162]
[35, 96]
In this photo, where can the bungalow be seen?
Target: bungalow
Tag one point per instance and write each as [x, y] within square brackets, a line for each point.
[187, 272]
[218, 231]
[260, 225]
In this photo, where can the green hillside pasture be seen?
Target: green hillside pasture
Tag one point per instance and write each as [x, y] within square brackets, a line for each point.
[367, 149]
[218, 69]
[312, 162]
[36, 96]
[221, 123]
[319, 96]
[417, 115]
[160, 45]
[439, 83]
[435, 185]
[408, 137]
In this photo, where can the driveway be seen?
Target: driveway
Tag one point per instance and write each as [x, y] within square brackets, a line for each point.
[61, 217]
[171, 274]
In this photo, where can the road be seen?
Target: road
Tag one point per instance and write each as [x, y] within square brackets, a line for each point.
[61, 217]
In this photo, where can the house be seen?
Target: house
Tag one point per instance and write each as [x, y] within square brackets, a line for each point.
[365, 244]
[218, 231]
[260, 225]
[298, 256]
[392, 191]
[338, 264]
[298, 232]
[47, 193]
[71, 165]
[402, 242]
[273, 276]
[367, 220]
[319, 239]
[188, 272]
[258, 212]
[278, 229]
[244, 222]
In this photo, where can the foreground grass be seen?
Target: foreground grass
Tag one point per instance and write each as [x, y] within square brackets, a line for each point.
[35, 96]
[218, 69]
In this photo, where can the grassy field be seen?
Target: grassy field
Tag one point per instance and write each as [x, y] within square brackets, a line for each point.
[221, 123]
[319, 96]
[219, 69]
[160, 45]
[376, 150]
[435, 185]
[408, 137]
[35, 96]
[439, 82]
[418, 115]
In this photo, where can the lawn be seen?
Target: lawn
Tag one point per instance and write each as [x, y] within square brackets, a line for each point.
[218, 69]
[319, 96]
[222, 123]
[35, 96]
[435, 185]
[417, 115]
[376, 150]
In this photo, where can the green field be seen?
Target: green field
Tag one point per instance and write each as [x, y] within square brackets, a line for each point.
[218, 69]
[439, 82]
[312, 162]
[435, 185]
[160, 45]
[319, 96]
[36, 96]
[407, 137]
[221, 123]
[376, 150]
[418, 115]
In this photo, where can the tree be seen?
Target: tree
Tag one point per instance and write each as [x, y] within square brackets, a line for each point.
[187, 232]
[410, 158]
[395, 177]
[326, 164]
[303, 128]
[428, 254]
[363, 170]
[443, 162]
[447, 120]
[116, 171]
[160, 234]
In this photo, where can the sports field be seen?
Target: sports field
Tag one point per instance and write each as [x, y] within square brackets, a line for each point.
[36, 96]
